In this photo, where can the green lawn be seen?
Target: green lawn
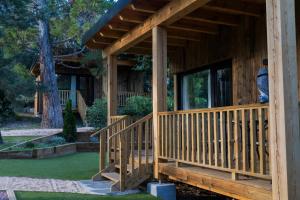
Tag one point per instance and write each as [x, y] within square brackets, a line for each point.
[78, 166]
[12, 140]
[67, 196]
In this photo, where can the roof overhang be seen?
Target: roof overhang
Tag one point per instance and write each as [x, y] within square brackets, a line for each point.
[126, 27]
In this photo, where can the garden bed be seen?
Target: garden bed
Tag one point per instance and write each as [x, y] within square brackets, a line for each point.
[49, 152]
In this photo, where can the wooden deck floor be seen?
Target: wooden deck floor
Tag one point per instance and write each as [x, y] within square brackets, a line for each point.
[219, 182]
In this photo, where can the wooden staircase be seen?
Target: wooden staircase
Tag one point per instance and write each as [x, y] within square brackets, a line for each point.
[126, 152]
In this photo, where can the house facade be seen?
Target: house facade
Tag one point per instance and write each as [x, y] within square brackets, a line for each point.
[219, 136]
[77, 84]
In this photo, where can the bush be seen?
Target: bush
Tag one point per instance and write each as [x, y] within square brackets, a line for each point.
[96, 115]
[69, 129]
[140, 106]
[56, 140]
[6, 111]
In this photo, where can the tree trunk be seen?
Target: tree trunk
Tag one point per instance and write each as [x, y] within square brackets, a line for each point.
[52, 112]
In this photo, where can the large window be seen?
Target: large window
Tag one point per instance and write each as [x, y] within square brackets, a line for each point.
[210, 87]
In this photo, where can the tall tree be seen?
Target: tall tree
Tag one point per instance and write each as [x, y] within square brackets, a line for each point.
[52, 115]
[49, 30]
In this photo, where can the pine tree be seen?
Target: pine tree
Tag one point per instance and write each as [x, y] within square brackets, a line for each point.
[45, 30]
[69, 130]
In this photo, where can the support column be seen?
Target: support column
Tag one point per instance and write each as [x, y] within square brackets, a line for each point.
[175, 79]
[159, 37]
[284, 110]
[112, 78]
[73, 95]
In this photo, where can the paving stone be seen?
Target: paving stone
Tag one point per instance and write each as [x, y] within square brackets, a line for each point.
[3, 195]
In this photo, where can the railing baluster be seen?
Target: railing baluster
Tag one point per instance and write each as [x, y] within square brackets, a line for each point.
[245, 139]
[193, 136]
[223, 142]
[174, 136]
[139, 147]
[198, 128]
[216, 138]
[182, 138]
[203, 139]
[252, 139]
[170, 135]
[209, 132]
[261, 141]
[132, 150]
[236, 139]
[188, 137]
[147, 145]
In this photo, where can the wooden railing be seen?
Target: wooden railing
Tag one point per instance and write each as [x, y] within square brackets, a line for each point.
[233, 139]
[64, 96]
[105, 133]
[135, 150]
[124, 95]
[81, 106]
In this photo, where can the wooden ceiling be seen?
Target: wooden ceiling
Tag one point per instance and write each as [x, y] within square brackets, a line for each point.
[205, 20]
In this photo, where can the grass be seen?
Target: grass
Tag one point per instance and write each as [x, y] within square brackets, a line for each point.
[68, 196]
[80, 166]
[12, 140]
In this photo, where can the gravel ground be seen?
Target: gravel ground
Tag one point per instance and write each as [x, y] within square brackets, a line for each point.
[187, 192]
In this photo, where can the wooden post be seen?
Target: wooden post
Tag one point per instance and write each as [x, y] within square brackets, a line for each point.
[175, 92]
[284, 110]
[159, 37]
[112, 76]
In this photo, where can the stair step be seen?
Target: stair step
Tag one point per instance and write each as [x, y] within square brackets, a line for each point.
[113, 176]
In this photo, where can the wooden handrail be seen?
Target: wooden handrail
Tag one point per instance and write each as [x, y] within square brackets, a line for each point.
[135, 124]
[225, 108]
[131, 147]
[82, 107]
[99, 132]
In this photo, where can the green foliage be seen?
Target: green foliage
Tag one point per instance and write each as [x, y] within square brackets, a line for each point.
[140, 106]
[95, 62]
[6, 111]
[70, 196]
[96, 115]
[69, 129]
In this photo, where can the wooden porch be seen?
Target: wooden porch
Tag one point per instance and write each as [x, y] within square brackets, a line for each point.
[245, 150]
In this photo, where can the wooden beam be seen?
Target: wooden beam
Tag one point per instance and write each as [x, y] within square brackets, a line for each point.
[202, 15]
[236, 7]
[107, 33]
[132, 16]
[160, 57]
[184, 35]
[199, 27]
[173, 11]
[284, 109]
[120, 26]
[112, 78]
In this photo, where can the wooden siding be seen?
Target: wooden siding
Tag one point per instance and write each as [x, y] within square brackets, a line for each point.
[245, 44]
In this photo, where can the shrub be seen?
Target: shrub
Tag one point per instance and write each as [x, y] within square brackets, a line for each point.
[29, 145]
[96, 115]
[140, 106]
[6, 111]
[56, 140]
[69, 129]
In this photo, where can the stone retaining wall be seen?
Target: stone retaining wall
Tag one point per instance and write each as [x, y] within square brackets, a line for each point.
[51, 151]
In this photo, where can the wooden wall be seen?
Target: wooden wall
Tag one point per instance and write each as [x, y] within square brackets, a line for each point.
[246, 45]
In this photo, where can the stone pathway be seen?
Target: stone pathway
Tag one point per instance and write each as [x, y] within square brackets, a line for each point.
[39, 132]
[54, 185]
